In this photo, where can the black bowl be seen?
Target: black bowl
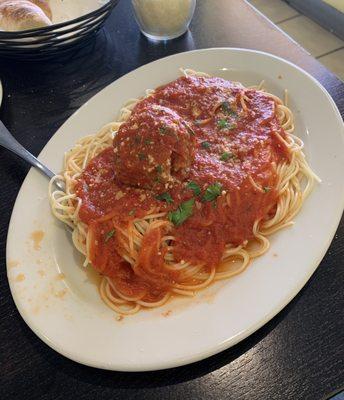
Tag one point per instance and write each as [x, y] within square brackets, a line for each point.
[48, 41]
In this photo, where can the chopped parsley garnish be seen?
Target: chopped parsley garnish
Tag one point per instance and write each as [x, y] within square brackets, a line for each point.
[166, 130]
[194, 187]
[159, 169]
[266, 189]
[132, 212]
[205, 145]
[183, 212]
[212, 192]
[191, 131]
[222, 124]
[148, 141]
[163, 130]
[225, 156]
[109, 235]
[225, 107]
[141, 156]
[165, 197]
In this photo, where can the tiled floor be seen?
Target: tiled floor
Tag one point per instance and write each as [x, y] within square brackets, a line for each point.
[323, 45]
[277, 11]
[311, 36]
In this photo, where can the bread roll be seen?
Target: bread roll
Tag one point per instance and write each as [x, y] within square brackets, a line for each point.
[20, 15]
[44, 5]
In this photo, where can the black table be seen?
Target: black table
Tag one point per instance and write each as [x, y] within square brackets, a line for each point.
[297, 355]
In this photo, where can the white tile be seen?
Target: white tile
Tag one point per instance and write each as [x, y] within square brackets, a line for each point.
[311, 36]
[276, 10]
[334, 62]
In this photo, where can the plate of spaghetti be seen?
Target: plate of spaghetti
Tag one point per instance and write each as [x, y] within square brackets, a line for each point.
[193, 190]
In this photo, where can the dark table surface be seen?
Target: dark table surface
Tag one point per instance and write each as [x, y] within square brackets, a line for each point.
[297, 355]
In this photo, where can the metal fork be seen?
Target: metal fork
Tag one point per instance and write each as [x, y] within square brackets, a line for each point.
[10, 143]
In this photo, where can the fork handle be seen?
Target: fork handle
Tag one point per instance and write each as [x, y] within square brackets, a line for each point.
[10, 143]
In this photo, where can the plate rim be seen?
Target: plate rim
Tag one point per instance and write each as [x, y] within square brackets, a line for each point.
[231, 341]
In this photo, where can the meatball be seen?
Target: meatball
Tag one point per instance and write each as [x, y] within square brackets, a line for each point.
[155, 146]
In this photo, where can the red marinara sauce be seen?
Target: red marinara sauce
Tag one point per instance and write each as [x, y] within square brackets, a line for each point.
[199, 138]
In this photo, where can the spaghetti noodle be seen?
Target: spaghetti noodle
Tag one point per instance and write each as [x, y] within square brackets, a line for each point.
[183, 190]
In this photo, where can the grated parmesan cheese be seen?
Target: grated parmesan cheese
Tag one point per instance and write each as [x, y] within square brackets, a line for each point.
[165, 19]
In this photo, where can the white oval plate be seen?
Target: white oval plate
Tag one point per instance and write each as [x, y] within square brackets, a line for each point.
[65, 310]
